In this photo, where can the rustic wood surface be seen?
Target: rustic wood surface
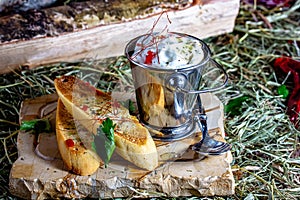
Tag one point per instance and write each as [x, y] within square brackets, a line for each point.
[79, 15]
[181, 173]
[98, 41]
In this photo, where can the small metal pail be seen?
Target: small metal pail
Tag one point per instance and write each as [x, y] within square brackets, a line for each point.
[166, 97]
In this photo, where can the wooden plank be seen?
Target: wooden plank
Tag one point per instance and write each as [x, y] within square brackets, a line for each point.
[35, 178]
[211, 18]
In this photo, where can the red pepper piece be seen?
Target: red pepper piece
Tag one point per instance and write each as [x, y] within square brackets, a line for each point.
[85, 107]
[288, 65]
[294, 101]
[149, 57]
[70, 143]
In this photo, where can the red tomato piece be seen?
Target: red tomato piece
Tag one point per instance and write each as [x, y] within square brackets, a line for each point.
[70, 143]
[85, 107]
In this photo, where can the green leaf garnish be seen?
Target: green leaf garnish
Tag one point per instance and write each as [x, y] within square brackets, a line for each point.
[234, 106]
[104, 141]
[282, 90]
[129, 105]
[37, 125]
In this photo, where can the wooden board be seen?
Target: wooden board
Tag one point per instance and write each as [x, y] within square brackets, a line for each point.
[212, 17]
[33, 177]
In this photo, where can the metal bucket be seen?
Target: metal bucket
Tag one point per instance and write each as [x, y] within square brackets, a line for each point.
[166, 97]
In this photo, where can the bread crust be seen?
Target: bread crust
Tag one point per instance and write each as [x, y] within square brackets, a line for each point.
[76, 157]
[91, 106]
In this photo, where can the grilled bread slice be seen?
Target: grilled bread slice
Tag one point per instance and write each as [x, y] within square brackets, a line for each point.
[91, 106]
[75, 155]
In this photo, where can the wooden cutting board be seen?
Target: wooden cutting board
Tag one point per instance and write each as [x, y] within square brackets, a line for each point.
[34, 177]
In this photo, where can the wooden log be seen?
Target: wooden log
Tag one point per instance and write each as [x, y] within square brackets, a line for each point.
[33, 177]
[81, 15]
[211, 18]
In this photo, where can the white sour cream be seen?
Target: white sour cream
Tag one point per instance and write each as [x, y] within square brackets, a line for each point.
[170, 51]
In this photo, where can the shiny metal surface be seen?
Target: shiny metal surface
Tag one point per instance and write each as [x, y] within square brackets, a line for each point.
[166, 97]
[207, 146]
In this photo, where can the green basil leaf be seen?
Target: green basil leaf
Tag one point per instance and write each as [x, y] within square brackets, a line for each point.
[282, 90]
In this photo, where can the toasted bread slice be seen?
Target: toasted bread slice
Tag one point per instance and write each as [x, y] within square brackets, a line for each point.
[76, 157]
[91, 106]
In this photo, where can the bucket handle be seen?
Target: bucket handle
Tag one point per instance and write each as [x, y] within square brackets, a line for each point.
[210, 89]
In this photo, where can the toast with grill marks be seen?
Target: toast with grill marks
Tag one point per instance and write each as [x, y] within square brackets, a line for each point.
[75, 155]
[91, 107]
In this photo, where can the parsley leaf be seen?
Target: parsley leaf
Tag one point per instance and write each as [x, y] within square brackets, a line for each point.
[129, 104]
[37, 125]
[282, 90]
[104, 141]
